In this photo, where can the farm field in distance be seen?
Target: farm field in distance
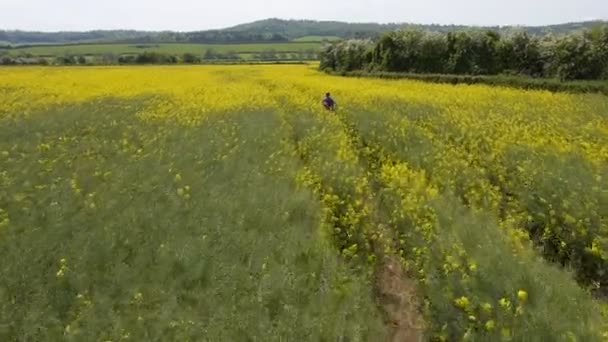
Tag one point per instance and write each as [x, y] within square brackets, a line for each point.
[317, 39]
[223, 203]
[167, 48]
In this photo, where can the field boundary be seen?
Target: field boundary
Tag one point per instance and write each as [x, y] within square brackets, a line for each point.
[518, 82]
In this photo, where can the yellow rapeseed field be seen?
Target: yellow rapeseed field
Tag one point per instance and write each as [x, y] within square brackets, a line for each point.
[224, 203]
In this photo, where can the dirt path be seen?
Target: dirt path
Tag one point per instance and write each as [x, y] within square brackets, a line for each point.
[397, 296]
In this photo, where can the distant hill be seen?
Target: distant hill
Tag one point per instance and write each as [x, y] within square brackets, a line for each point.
[33, 37]
[299, 28]
[268, 30]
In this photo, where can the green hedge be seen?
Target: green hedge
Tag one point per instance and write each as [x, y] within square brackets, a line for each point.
[522, 82]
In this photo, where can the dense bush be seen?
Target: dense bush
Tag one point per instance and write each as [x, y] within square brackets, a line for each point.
[6, 60]
[347, 55]
[148, 58]
[10, 60]
[190, 58]
[211, 54]
[581, 55]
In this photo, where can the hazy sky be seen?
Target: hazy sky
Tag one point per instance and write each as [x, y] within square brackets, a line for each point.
[185, 15]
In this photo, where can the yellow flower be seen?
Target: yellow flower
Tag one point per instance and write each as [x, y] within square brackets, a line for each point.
[462, 302]
[522, 296]
[490, 325]
[505, 303]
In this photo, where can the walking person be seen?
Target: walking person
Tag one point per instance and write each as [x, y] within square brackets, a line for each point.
[329, 103]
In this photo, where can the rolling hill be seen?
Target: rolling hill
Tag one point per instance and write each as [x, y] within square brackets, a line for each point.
[268, 30]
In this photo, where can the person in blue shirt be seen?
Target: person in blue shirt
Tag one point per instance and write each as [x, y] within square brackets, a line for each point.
[328, 102]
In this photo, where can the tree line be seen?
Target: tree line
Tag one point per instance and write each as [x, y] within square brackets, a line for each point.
[581, 55]
[146, 57]
[24, 39]
[269, 30]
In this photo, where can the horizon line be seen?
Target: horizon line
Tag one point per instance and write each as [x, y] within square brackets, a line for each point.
[310, 20]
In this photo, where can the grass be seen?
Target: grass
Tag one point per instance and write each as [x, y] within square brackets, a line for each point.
[317, 39]
[120, 49]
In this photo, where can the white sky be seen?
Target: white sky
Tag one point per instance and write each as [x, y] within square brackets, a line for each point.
[187, 15]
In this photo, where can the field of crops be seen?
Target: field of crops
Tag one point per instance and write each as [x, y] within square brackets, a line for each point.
[317, 39]
[222, 203]
[118, 49]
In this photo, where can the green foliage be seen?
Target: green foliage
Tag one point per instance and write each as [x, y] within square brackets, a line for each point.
[346, 55]
[472, 53]
[575, 56]
[101, 50]
[266, 55]
[211, 54]
[118, 36]
[520, 53]
[6, 60]
[317, 39]
[414, 51]
[513, 81]
[70, 60]
[148, 58]
[270, 30]
[190, 58]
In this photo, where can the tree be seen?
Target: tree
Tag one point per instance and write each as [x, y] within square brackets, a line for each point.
[459, 47]
[232, 55]
[311, 53]
[574, 58]
[270, 54]
[385, 54]
[473, 52]
[126, 59]
[348, 55]
[409, 45]
[486, 52]
[109, 58]
[6, 60]
[191, 58]
[477, 52]
[433, 54]
[520, 53]
[603, 50]
[66, 60]
[327, 57]
[209, 54]
[599, 39]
